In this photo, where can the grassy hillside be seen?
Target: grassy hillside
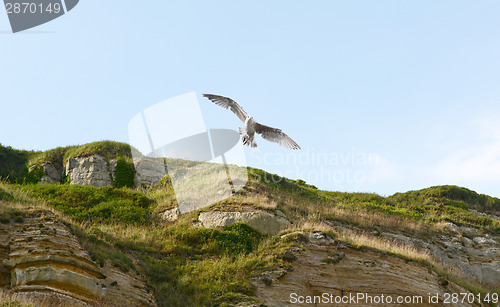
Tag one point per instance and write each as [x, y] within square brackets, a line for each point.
[186, 265]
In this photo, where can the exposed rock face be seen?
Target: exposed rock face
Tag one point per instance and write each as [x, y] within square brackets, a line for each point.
[95, 171]
[466, 249]
[126, 289]
[261, 221]
[149, 171]
[480, 259]
[352, 272]
[50, 259]
[92, 170]
[51, 173]
[43, 262]
[112, 167]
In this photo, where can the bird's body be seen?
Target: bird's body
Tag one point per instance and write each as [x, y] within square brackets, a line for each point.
[251, 126]
[248, 132]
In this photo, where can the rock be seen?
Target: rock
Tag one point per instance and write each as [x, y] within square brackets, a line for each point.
[261, 221]
[112, 167]
[448, 226]
[50, 259]
[491, 273]
[484, 241]
[280, 213]
[51, 174]
[47, 265]
[126, 289]
[170, 215]
[92, 170]
[350, 272]
[467, 242]
[320, 238]
[149, 171]
[469, 232]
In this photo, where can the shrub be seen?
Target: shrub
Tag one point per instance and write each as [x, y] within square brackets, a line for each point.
[235, 239]
[125, 211]
[124, 173]
[34, 175]
[6, 196]
[13, 164]
[54, 156]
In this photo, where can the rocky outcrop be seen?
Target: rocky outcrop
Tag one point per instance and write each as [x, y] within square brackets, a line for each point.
[126, 289]
[92, 170]
[261, 221]
[149, 171]
[331, 273]
[46, 257]
[51, 173]
[42, 261]
[465, 249]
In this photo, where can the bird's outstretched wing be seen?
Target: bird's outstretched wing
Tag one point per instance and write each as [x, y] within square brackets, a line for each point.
[276, 135]
[228, 103]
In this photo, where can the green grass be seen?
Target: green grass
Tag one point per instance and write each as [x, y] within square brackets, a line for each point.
[452, 195]
[414, 211]
[88, 204]
[107, 149]
[54, 156]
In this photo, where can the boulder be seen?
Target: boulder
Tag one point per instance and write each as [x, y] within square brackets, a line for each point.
[92, 170]
[320, 238]
[261, 221]
[170, 215]
[51, 173]
[149, 171]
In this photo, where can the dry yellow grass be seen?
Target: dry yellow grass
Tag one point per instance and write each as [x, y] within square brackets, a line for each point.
[8, 299]
[388, 246]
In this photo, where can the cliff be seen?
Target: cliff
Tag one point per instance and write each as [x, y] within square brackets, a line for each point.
[43, 262]
[108, 232]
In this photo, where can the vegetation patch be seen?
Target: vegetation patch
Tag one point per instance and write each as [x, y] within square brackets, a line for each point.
[124, 173]
[54, 156]
[6, 196]
[13, 164]
[86, 203]
[106, 149]
[34, 175]
[235, 239]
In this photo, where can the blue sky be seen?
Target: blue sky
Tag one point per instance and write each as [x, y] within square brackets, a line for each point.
[382, 96]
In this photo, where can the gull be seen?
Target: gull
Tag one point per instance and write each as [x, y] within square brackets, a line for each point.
[251, 126]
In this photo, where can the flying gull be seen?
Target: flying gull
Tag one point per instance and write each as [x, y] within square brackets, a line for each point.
[251, 126]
